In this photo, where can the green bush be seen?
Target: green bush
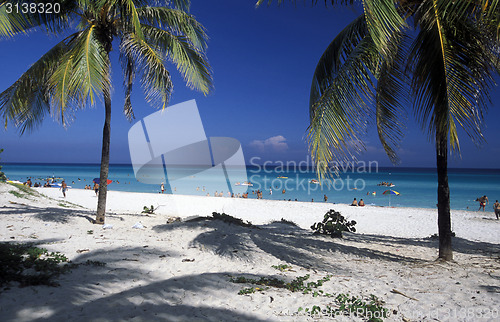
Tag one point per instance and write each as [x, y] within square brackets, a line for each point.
[30, 265]
[334, 224]
[147, 210]
[295, 285]
[370, 309]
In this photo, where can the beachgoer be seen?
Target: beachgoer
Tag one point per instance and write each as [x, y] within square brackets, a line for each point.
[283, 192]
[325, 197]
[482, 202]
[28, 182]
[361, 203]
[496, 206]
[270, 191]
[354, 202]
[64, 187]
[162, 187]
[96, 188]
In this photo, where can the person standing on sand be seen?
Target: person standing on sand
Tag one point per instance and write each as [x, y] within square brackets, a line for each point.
[64, 187]
[162, 187]
[482, 202]
[96, 188]
[496, 206]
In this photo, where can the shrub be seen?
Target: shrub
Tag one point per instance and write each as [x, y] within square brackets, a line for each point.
[30, 265]
[147, 210]
[333, 224]
[369, 309]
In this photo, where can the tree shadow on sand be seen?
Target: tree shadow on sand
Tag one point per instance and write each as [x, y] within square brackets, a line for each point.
[460, 245]
[84, 293]
[300, 247]
[288, 243]
[51, 214]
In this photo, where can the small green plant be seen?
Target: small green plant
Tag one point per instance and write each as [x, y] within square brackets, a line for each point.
[248, 290]
[370, 309]
[282, 267]
[231, 220]
[295, 285]
[149, 211]
[23, 191]
[30, 265]
[90, 232]
[334, 224]
[16, 193]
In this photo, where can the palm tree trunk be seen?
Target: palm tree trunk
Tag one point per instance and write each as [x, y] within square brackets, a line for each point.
[444, 217]
[106, 138]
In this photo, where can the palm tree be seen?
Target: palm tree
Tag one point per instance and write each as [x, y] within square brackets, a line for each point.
[442, 53]
[77, 70]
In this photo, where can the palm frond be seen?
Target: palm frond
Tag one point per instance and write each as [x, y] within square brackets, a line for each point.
[333, 57]
[383, 20]
[451, 68]
[342, 89]
[128, 67]
[313, 2]
[190, 62]
[82, 74]
[390, 98]
[150, 63]
[15, 21]
[26, 102]
[183, 5]
[176, 22]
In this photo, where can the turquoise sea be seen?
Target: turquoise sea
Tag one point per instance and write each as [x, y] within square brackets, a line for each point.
[417, 186]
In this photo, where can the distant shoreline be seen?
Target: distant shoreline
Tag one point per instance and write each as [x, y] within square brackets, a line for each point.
[395, 168]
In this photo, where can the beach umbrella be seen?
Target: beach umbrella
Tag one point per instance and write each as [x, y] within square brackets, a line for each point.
[390, 192]
[97, 180]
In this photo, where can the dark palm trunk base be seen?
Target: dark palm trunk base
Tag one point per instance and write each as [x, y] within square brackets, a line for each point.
[106, 138]
[444, 217]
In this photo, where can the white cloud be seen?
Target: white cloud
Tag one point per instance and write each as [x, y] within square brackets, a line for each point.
[274, 144]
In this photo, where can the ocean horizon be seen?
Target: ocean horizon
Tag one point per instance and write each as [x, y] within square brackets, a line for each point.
[417, 186]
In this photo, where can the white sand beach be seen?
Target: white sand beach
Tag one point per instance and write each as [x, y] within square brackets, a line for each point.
[181, 271]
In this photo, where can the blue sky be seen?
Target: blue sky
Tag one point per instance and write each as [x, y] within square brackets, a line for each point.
[263, 61]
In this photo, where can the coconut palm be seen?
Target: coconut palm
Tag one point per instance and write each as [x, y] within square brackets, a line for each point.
[442, 53]
[77, 71]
